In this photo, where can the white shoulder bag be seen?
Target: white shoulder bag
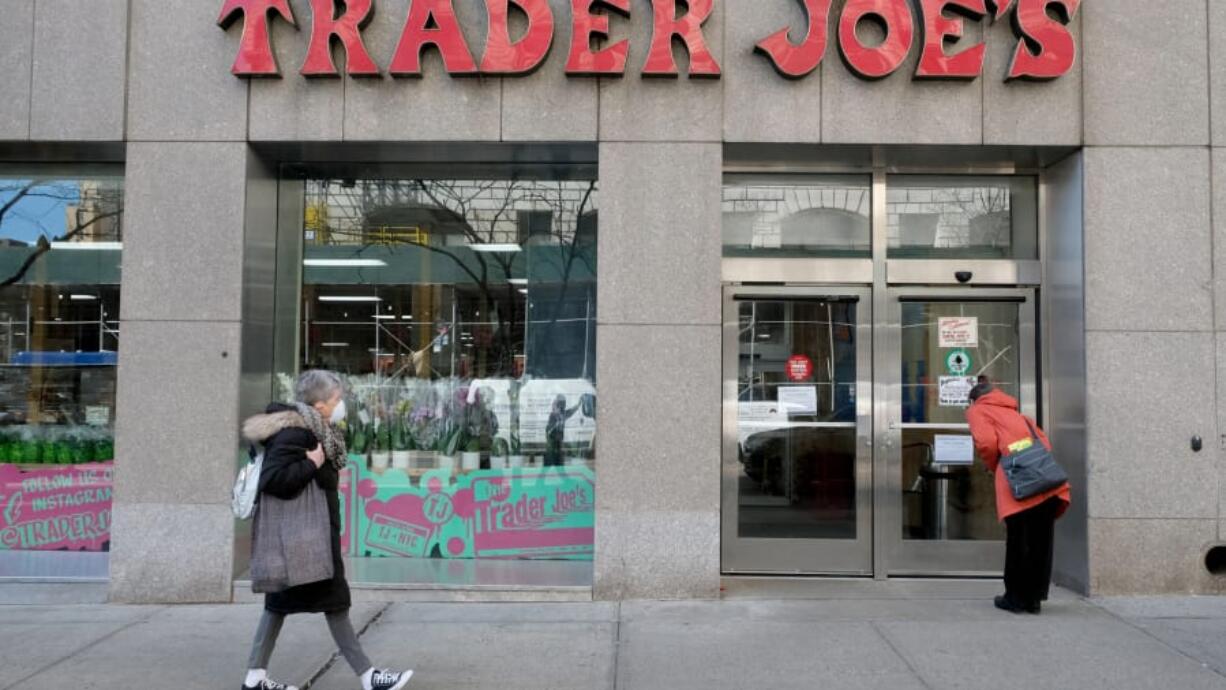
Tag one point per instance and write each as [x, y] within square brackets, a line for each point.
[247, 488]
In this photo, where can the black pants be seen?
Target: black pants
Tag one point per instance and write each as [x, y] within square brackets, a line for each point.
[1028, 553]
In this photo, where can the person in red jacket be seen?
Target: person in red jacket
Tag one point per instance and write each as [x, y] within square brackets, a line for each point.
[998, 428]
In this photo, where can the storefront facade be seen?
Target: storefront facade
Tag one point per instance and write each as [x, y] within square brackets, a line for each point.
[636, 316]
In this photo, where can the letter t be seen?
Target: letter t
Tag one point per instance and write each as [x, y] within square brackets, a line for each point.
[255, 56]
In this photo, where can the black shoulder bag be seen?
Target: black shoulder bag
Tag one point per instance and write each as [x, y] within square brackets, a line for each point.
[1032, 471]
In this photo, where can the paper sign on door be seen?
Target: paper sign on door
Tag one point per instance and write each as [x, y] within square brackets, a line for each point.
[953, 450]
[798, 400]
[955, 391]
[958, 331]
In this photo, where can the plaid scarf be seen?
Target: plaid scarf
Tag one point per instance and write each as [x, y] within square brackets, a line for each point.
[331, 439]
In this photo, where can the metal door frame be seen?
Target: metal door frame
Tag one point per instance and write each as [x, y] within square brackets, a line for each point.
[798, 556]
[897, 556]
[884, 278]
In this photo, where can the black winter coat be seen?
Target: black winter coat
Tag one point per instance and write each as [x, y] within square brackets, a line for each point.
[286, 472]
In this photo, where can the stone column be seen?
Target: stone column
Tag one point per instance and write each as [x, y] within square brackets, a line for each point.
[182, 308]
[1150, 345]
[659, 371]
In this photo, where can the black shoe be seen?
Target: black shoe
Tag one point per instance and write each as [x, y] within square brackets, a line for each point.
[1036, 608]
[389, 680]
[1004, 603]
[267, 684]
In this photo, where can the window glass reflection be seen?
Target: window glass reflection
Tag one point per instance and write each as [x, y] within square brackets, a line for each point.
[61, 239]
[962, 217]
[785, 216]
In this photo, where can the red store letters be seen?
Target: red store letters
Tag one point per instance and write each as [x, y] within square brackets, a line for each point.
[1045, 46]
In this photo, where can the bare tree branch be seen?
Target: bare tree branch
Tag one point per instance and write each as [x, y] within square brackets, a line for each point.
[44, 245]
[21, 194]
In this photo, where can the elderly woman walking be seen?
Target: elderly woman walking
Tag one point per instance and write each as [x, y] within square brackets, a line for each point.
[304, 453]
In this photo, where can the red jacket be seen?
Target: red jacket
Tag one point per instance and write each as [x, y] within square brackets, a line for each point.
[996, 423]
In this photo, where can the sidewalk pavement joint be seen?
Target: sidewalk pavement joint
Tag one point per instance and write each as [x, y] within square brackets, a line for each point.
[337, 654]
[1148, 633]
[901, 655]
[86, 647]
[617, 643]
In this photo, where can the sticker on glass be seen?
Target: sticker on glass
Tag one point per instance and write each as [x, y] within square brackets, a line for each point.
[958, 362]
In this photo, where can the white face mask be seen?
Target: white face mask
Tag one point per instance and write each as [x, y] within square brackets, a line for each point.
[338, 413]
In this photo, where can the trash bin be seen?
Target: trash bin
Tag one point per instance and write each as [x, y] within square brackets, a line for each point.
[937, 480]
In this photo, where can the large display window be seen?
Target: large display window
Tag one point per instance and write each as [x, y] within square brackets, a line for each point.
[61, 239]
[461, 309]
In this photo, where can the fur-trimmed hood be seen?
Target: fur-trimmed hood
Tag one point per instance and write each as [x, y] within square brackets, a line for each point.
[262, 427]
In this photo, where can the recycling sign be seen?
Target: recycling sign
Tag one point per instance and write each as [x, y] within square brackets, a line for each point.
[958, 362]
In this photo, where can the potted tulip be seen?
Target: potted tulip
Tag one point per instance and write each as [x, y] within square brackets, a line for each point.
[10, 450]
[104, 449]
[516, 457]
[470, 459]
[381, 456]
[359, 442]
[402, 443]
[80, 447]
[447, 445]
[423, 432]
[499, 454]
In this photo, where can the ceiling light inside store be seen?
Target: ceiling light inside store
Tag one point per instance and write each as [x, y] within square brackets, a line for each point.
[334, 344]
[496, 248]
[407, 317]
[384, 317]
[95, 246]
[344, 263]
[517, 281]
[523, 291]
[347, 298]
[84, 298]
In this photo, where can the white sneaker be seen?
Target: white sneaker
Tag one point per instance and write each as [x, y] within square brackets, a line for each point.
[388, 680]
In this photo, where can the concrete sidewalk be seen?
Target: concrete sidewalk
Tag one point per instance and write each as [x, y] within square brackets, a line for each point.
[899, 639]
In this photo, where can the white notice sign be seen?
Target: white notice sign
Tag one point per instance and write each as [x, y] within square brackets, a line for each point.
[798, 399]
[97, 415]
[756, 417]
[958, 331]
[954, 450]
[767, 414]
[955, 391]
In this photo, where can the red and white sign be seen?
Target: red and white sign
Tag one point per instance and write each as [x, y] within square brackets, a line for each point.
[1045, 47]
[799, 368]
[958, 331]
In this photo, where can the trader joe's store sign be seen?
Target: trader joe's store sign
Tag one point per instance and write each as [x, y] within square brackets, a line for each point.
[1045, 47]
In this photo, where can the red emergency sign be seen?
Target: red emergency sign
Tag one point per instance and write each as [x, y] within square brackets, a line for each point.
[799, 368]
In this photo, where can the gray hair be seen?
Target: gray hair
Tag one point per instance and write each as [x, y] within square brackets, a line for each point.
[317, 385]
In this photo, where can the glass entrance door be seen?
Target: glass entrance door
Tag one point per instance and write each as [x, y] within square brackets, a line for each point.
[797, 465]
[937, 507]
